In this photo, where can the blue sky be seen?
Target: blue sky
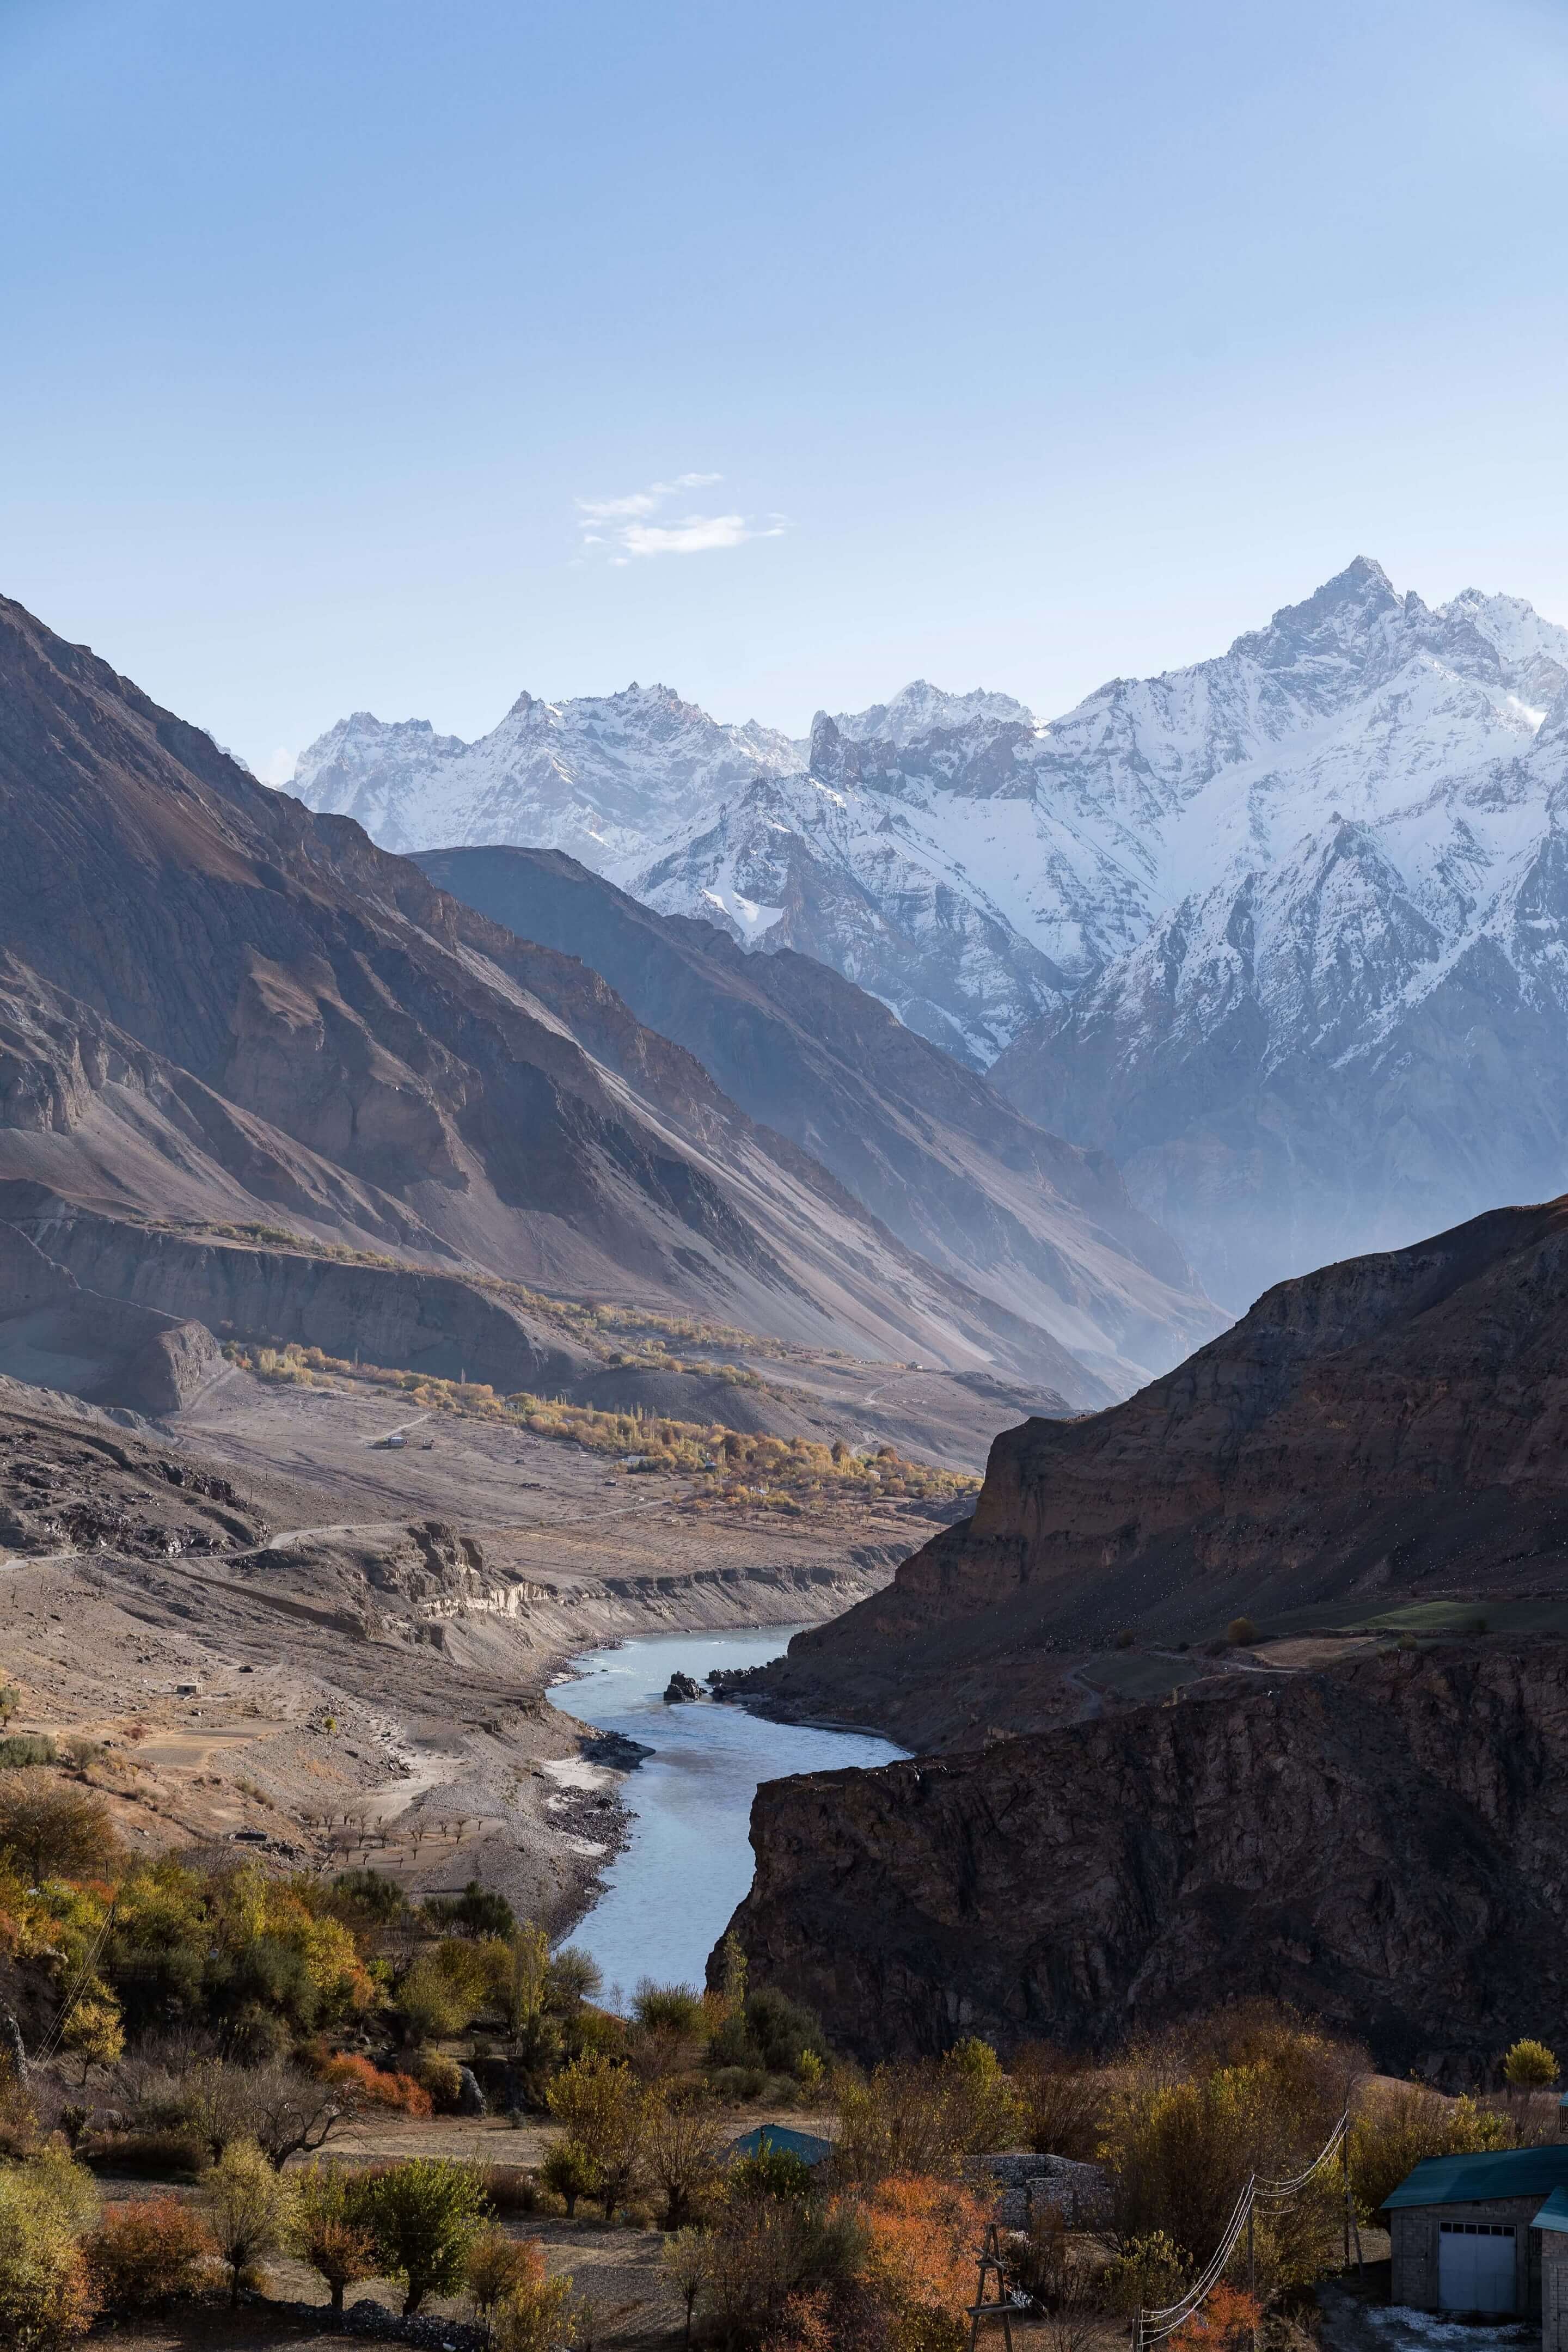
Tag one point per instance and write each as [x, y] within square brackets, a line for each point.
[368, 354]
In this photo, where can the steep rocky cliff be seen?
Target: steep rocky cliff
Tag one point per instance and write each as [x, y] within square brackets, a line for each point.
[1394, 1426]
[1382, 1846]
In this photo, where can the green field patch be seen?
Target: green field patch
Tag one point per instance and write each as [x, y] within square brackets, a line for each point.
[1441, 1617]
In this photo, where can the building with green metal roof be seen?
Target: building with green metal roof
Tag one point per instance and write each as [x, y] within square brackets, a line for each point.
[1501, 2172]
[1486, 2233]
[770, 2139]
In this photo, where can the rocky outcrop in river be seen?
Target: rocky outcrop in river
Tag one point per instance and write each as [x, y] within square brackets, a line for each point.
[1382, 1844]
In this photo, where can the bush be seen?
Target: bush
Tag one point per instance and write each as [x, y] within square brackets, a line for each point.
[768, 2261]
[537, 2316]
[1043, 2261]
[511, 2188]
[425, 2215]
[770, 2172]
[922, 2236]
[572, 1979]
[143, 2253]
[52, 1829]
[162, 2155]
[1250, 2088]
[914, 2118]
[46, 2298]
[1061, 2101]
[1402, 2126]
[779, 2030]
[982, 2104]
[248, 2209]
[672, 2008]
[377, 2087]
[441, 2079]
[329, 2226]
[1225, 2322]
[500, 2266]
[739, 2086]
[571, 2172]
[434, 2002]
[477, 1911]
[369, 1896]
[1530, 2066]
[1149, 2272]
[1240, 1630]
[23, 1747]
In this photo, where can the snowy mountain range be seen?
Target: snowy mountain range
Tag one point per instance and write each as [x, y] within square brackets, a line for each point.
[1283, 930]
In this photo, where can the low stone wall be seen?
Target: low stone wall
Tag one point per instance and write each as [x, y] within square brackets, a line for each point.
[1027, 2182]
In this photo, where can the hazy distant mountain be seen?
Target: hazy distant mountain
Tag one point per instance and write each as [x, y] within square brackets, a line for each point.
[1040, 1227]
[1268, 929]
[599, 777]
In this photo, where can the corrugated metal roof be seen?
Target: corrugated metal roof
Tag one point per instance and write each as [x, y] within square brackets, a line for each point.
[1471, 2180]
[807, 2145]
[1553, 2214]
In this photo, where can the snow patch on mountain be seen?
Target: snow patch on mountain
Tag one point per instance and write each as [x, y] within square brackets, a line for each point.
[977, 868]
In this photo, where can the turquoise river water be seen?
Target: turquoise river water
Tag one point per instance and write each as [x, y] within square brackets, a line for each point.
[669, 1896]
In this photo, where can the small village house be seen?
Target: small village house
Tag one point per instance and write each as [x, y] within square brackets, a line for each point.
[1486, 2233]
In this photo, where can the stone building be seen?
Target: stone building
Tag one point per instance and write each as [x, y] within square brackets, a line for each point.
[1486, 2233]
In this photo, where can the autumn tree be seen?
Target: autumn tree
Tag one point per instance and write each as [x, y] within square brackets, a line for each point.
[53, 1828]
[329, 2226]
[605, 2110]
[249, 2209]
[425, 2215]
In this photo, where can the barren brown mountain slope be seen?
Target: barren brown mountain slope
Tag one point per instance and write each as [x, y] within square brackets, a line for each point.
[1381, 1845]
[217, 1009]
[1391, 1427]
[919, 1139]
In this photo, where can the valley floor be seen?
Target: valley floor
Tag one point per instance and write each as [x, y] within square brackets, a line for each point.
[354, 1665]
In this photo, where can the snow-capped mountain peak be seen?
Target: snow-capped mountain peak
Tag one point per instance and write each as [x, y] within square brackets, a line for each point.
[601, 775]
[921, 710]
[977, 867]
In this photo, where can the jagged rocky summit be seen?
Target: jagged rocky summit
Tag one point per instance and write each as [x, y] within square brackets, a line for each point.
[1279, 930]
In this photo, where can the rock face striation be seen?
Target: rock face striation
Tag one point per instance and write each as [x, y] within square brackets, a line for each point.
[1381, 1845]
[1392, 1427]
[100, 1346]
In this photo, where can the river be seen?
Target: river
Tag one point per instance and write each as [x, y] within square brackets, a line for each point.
[669, 1898]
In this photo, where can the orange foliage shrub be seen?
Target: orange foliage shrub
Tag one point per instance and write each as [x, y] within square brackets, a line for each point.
[1225, 2323]
[500, 2266]
[140, 2254]
[377, 2087]
[924, 2243]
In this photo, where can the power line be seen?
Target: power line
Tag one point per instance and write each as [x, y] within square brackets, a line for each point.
[1258, 2194]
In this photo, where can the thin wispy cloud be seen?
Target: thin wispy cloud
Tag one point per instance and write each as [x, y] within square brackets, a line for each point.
[622, 525]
